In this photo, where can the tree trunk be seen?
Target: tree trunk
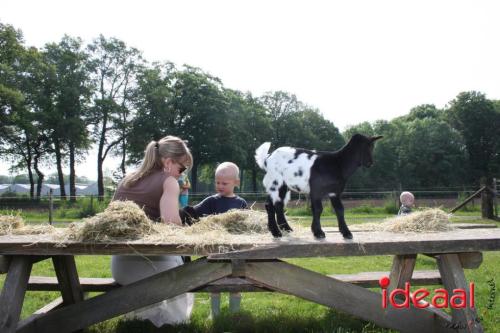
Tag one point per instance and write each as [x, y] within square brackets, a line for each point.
[60, 174]
[32, 181]
[194, 176]
[100, 159]
[242, 176]
[72, 175]
[487, 198]
[100, 180]
[28, 159]
[124, 155]
[39, 174]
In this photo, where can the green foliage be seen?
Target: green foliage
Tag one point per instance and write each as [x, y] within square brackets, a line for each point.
[365, 208]
[83, 207]
[477, 120]
[56, 101]
[391, 204]
[471, 206]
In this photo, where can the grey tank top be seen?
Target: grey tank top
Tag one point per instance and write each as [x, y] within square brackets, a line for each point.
[146, 193]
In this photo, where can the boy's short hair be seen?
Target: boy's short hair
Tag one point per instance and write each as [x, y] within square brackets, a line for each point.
[407, 198]
[228, 169]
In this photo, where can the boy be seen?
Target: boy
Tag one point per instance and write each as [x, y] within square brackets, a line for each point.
[227, 177]
[407, 201]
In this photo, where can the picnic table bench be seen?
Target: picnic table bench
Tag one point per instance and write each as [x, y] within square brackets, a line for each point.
[246, 267]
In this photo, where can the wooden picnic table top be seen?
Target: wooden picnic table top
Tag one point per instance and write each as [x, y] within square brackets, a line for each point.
[364, 243]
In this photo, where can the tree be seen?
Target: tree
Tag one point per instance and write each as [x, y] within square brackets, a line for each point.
[280, 105]
[68, 120]
[254, 130]
[11, 51]
[201, 110]
[474, 116]
[114, 66]
[152, 99]
[23, 77]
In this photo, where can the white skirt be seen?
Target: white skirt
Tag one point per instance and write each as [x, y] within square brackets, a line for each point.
[128, 269]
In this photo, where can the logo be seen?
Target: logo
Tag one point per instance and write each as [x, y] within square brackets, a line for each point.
[441, 298]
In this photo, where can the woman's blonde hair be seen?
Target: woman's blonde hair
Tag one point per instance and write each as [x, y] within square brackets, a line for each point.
[168, 147]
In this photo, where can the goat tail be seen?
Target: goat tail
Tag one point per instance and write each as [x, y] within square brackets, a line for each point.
[261, 154]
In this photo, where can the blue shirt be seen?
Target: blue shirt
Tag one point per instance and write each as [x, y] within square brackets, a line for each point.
[217, 204]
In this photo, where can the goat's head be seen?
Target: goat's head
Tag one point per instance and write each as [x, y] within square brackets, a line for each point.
[364, 147]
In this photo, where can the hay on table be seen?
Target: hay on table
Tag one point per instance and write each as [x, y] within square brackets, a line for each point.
[428, 220]
[15, 225]
[122, 220]
[235, 221]
[9, 223]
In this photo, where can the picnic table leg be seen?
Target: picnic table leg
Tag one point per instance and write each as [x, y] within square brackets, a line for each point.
[67, 276]
[402, 270]
[14, 289]
[452, 274]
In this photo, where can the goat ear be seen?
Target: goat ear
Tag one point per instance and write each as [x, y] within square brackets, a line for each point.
[375, 138]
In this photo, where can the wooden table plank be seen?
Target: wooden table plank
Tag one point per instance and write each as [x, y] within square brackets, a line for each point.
[364, 243]
[360, 227]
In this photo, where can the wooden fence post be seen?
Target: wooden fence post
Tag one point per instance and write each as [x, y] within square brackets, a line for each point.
[487, 198]
[51, 206]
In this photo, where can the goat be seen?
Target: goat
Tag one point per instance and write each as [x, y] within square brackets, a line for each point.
[316, 173]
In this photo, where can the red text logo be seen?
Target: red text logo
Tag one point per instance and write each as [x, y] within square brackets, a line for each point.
[401, 298]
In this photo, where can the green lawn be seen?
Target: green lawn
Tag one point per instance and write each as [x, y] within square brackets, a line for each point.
[272, 312]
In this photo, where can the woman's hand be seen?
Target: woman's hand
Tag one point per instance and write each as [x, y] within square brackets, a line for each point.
[169, 202]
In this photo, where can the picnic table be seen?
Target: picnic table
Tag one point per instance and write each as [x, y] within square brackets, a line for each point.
[246, 267]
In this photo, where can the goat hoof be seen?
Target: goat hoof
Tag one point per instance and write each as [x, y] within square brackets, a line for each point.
[347, 235]
[286, 228]
[319, 234]
[276, 234]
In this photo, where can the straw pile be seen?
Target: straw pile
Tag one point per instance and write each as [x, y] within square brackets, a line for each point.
[14, 225]
[235, 221]
[428, 220]
[122, 220]
[8, 223]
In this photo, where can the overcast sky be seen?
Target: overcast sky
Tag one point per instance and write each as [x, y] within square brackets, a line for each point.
[353, 60]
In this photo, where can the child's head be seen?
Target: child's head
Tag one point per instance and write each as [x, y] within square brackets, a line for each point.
[227, 177]
[407, 199]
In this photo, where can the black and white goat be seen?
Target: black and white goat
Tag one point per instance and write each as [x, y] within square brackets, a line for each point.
[316, 173]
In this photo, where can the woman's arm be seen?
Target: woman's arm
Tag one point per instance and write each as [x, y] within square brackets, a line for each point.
[169, 202]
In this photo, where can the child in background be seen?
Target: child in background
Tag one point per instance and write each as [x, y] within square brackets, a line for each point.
[407, 202]
[227, 177]
[184, 185]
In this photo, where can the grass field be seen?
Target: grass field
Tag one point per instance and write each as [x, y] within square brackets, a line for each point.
[272, 312]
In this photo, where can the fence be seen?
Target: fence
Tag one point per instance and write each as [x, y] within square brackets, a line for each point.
[88, 205]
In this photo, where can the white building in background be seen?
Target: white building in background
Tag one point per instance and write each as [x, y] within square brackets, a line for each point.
[81, 189]
[4, 188]
[20, 188]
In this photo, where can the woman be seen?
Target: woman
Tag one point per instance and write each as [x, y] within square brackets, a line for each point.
[154, 187]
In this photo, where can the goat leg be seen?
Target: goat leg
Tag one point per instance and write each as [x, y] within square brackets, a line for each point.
[339, 211]
[271, 219]
[280, 214]
[317, 209]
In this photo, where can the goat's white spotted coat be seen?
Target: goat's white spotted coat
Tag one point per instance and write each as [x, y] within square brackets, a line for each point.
[283, 168]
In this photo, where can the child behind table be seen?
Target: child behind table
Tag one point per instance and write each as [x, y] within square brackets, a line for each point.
[407, 202]
[227, 177]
